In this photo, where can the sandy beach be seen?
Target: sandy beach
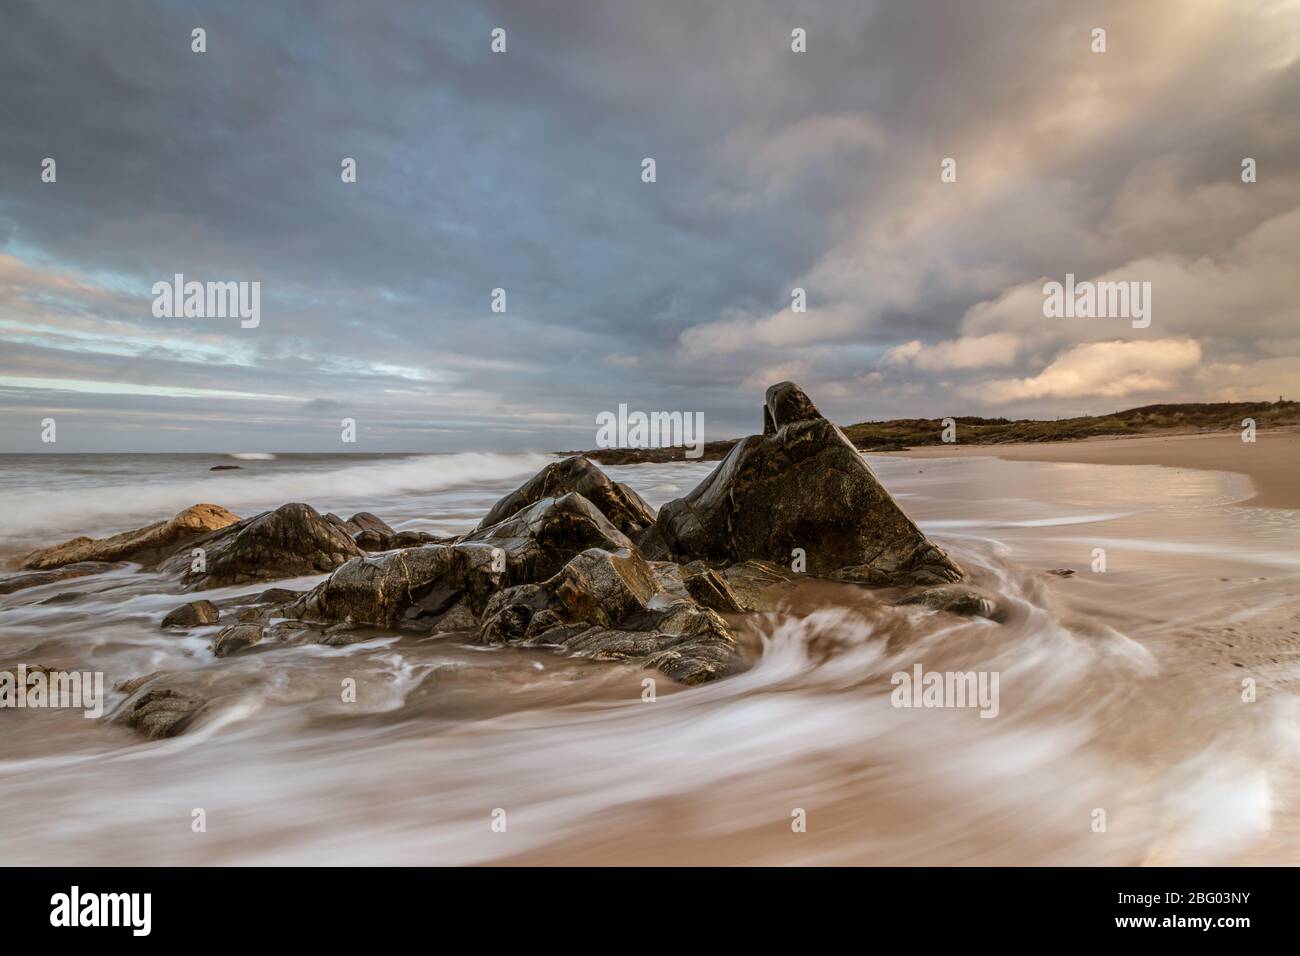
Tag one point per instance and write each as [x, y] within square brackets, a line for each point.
[1271, 462]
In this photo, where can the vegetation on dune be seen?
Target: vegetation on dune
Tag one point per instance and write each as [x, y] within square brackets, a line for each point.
[901, 433]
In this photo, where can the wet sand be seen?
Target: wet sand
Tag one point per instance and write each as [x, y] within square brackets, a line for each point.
[1272, 461]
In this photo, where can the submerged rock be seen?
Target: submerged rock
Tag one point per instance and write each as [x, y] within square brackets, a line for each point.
[291, 541]
[192, 615]
[235, 638]
[800, 485]
[964, 601]
[147, 545]
[623, 507]
[162, 712]
[34, 579]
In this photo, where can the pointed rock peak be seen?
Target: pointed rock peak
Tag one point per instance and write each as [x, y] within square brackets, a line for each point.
[784, 403]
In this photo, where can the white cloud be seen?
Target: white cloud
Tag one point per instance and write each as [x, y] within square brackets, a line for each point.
[1109, 369]
[969, 351]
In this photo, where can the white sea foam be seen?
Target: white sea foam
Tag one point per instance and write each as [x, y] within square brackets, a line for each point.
[101, 507]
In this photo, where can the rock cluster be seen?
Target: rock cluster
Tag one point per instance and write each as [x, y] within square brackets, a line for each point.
[571, 560]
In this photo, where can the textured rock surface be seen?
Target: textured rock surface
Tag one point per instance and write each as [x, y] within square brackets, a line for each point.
[147, 545]
[290, 541]
[625, 509]
[34, 579]
[235, 638]
[160, 712]
[800, 485]
[610, 606]
[415, 586]
[192, 615]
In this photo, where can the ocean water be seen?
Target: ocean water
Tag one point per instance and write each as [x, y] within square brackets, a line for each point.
[1122, 734]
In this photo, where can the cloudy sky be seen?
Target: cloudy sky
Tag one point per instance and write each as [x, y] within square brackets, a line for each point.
[522, 171]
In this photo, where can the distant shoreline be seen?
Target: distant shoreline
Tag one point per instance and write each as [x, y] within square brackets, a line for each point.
[1204, 437]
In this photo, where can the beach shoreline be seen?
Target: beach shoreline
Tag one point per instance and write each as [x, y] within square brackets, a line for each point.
[1271, 462]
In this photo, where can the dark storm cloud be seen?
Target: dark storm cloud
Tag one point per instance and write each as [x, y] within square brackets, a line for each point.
[521, 171]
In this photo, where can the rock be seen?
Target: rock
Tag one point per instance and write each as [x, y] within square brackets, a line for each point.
[147, 545]
[193, 614]
[164, 712]
[34, 579]
[278, 596]
[800, 485]
[413, 539]
[710, 589]
[368, 531]
[624, 508]
[610, 606]
[291, 541]
[365, 521]
[370, 540]
[759, 585]
[415, 586]
[956, 600]
[225, 468]
[235, 638]
[1062, 572]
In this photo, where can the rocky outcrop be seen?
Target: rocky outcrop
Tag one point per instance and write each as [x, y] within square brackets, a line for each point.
[148, 545]
[623, 507]
[800, 488]
[291, 541]
[414, 586]
[610, 606]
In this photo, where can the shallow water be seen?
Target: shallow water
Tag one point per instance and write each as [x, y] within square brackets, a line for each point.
[1119, 691]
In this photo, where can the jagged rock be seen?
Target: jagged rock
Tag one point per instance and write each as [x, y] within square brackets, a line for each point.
[711, 590]
[235, 638]
[801, 484]
[147, 545]
[624, 508]
[956, 600]
[611, 606]
[192, 615]
[34, 579]
[290, 541]
[415, 586]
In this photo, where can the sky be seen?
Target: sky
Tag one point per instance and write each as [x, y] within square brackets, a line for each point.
[523, 170]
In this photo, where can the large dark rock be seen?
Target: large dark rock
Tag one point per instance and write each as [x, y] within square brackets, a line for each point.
[611, 606]
[800, 485]
[624, 508]
[291, 541]
[415, 586]
[147, 545]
